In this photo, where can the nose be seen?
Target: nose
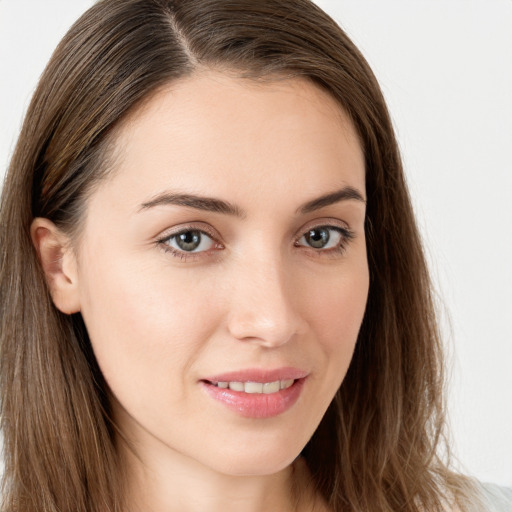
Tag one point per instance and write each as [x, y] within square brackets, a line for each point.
[263, 303]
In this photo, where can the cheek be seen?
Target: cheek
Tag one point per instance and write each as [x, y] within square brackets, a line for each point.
[146, 329]
[336, 314]
[337, 308]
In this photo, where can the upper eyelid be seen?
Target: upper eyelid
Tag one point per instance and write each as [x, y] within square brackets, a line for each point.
[327, 222]
[214, 234]
[323, 223]
[171, 232]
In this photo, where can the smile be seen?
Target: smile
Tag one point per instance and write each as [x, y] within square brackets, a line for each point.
[265, 388]
[257, 393]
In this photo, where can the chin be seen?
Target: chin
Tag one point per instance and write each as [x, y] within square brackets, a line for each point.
[260, 460]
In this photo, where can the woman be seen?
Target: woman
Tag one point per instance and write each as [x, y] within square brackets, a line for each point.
[213, 292]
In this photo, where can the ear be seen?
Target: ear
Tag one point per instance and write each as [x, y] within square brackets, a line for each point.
[59, 264]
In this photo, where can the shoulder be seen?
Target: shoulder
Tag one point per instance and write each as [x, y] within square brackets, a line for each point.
[485, 497]
[471, 495]
[495, 498]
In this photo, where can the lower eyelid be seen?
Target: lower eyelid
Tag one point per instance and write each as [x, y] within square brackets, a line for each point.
[184, 255]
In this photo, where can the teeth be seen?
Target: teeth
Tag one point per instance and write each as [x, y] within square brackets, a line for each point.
[286, 383]
[236, 386]
[256, 387]
[271, 387]
[253, 387]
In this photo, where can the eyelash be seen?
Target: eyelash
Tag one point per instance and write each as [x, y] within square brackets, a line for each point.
[347, 236]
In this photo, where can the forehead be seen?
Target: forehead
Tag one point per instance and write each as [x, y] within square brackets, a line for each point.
[216, 134]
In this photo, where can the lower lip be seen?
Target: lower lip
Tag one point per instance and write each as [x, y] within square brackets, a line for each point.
[256, 405]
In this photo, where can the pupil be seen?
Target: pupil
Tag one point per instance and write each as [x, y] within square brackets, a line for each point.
[189, 240]
[318, 238]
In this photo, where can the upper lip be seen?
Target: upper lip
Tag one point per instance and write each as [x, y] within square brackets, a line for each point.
[259, 375]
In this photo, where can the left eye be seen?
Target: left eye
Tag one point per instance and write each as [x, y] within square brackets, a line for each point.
[191, 240]
[323, 237]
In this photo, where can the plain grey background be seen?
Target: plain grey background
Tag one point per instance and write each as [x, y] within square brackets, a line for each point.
[446, 70]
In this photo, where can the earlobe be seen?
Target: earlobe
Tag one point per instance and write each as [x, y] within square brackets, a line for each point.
[59, 264]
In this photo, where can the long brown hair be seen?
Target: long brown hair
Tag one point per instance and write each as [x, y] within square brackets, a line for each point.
[376, 448]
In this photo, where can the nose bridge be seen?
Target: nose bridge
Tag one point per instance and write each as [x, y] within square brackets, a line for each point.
[262, 307]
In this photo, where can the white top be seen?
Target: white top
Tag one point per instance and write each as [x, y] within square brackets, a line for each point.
[496, 498]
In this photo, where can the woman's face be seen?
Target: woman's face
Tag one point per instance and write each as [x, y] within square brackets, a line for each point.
[222, 271]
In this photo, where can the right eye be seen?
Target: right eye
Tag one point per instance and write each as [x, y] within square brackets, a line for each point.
[187, 242]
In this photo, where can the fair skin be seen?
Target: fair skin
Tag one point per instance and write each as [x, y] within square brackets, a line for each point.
[275, 281]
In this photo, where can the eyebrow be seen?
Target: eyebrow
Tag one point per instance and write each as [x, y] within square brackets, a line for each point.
[209, 204]
[212, 204]
[344, 194]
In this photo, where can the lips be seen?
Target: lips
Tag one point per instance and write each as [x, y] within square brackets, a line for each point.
[256, 393]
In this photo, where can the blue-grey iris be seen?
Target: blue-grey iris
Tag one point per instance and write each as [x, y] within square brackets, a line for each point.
[318, 237]
[189, 240]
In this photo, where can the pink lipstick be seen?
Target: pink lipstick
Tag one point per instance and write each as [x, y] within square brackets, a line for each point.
[257, 393]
